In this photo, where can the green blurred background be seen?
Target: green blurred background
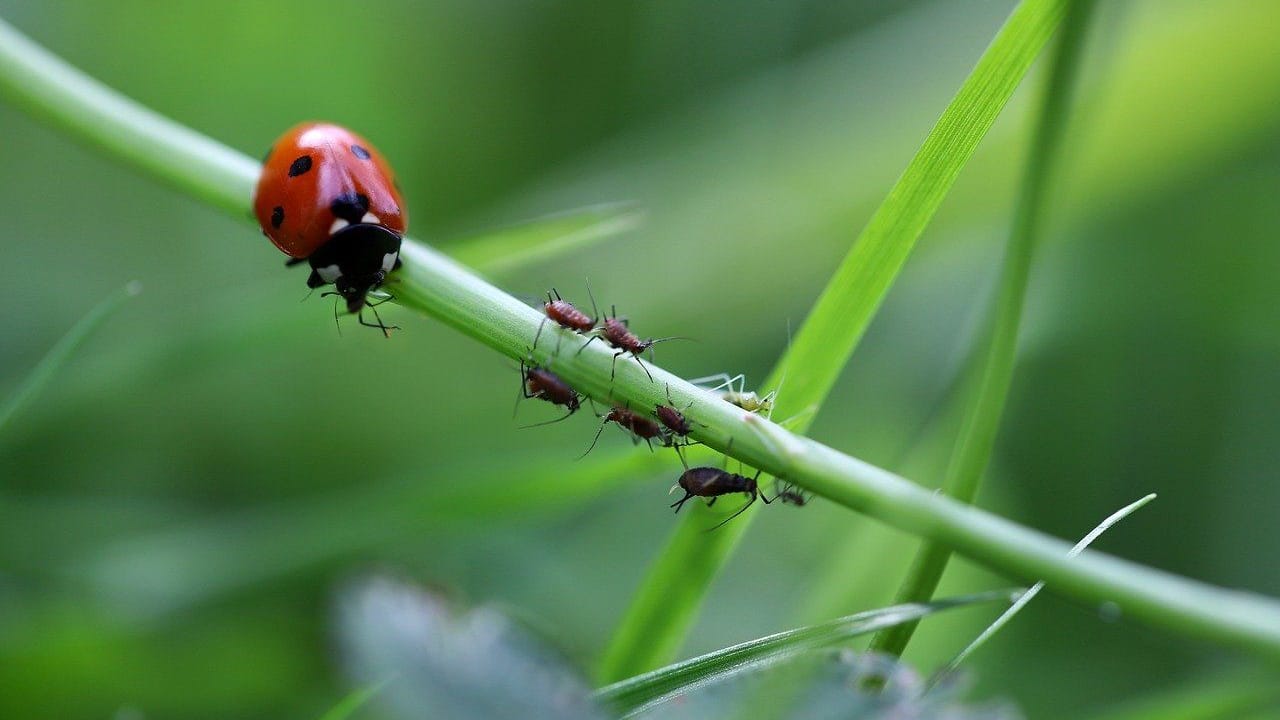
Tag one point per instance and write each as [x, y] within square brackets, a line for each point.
[178, 508]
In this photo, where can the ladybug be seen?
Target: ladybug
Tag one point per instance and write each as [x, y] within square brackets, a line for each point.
[326, 196]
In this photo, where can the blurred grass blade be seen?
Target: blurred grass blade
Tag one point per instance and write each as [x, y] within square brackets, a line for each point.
[636, 694]
[505, 249]
[355, 700]
[656, 623]
[987, 386]
[58, 354]
[1241, 694]
[1027, 596]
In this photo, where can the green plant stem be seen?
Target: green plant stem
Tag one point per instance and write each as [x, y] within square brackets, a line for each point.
[441, 288]
[994, 356]
[666, 605]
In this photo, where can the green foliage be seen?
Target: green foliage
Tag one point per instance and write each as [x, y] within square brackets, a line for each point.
[59, 353]
[222, 456]
[637, 694]
[993, 357]
[659, 617]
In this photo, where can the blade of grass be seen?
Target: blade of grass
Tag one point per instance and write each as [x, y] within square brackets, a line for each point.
[505, 249]
[636, 694]
[356, 699]
[437, 286]
[58, 354]
[992, 374]
[1241, 694]
[667, 603]
[1030, 594]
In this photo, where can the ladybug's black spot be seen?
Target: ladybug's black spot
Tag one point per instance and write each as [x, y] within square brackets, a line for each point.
[300, 166]
[350, 207]
[277, 216]
[359, 152]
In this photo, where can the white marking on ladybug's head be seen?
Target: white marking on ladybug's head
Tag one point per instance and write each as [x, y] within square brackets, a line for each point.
[371, 219]
[329, 273]
[337, 225]
[389, 261]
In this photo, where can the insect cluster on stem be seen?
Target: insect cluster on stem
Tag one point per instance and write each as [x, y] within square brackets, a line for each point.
[667, 425]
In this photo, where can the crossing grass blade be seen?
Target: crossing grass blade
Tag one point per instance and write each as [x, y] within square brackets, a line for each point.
[506, 249]
[636, 694]
[987, 387]
[656, 623]
[60, 352]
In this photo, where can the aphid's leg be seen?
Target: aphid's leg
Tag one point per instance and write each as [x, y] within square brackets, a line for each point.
[642, 367]
[588, 342]
[549, 422]
[740, 511]
[680, 454]
[649, 442]
[713, 500]
[613, 369]
[593, 441]
[539, 333]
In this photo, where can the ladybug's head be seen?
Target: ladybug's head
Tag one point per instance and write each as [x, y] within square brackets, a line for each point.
[363, 255]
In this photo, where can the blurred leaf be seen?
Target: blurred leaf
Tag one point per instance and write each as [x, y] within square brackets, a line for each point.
[1228, 697]
[505, 249]
[655, 625]
[987, 386]
[472, 665]
[58, 354]
[638, 693]
[357, 699]
[209, 559]
[1030, 594]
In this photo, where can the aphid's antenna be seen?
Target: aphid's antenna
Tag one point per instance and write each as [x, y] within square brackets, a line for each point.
[595, 311]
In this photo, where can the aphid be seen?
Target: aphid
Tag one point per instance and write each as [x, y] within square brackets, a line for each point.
[792, 495]
[541, 383]
[326, 196]
[710, 482]
[566, 315]
[678, 426]
[640, 427]
[616, 333]
[739, 396]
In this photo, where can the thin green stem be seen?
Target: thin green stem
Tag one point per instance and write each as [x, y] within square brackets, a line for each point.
[441, 288]
[994, 356]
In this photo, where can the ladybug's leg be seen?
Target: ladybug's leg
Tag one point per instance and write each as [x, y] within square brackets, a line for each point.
[314, 280]
[294, 261]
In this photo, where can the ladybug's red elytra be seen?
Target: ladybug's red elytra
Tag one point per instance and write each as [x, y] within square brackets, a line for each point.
[328, 197]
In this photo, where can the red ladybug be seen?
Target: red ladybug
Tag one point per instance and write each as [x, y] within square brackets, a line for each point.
[328, 197]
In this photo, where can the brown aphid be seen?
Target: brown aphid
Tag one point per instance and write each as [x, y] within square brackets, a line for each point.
[616, 333]
[566, 315]
[542, 384]
[640, 427]
[673, 419]
[792, 495]
[710, 482]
